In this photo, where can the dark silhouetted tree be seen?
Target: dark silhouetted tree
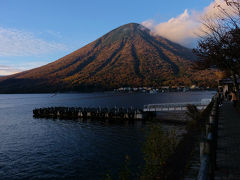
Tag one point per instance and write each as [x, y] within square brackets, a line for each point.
[219, 46]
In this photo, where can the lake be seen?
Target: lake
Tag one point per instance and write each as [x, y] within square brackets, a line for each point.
[65, 149]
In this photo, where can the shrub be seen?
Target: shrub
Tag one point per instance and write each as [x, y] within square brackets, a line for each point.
[157, 148]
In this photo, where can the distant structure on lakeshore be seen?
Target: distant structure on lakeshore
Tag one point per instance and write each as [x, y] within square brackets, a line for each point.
[161, 89]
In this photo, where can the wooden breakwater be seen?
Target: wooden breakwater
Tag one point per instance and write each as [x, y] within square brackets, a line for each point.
[79, 112]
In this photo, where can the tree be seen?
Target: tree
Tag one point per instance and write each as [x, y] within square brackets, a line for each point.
[219, 46]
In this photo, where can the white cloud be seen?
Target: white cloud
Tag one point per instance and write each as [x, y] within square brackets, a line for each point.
[12, 69]
[54, 34]
[14, 42]
[8, 70]
[185, 28]
[149, 23]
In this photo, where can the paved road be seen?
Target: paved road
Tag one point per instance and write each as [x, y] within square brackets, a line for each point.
[228, 151]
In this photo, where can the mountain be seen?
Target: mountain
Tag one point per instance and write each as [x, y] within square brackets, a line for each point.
[127, 56]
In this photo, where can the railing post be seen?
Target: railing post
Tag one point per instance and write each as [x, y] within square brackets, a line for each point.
[209, 128]
[214, 113]
[202, 150]
[212, 156]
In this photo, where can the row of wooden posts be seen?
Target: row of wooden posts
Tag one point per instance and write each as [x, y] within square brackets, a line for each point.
[208, 145]
[78, 112]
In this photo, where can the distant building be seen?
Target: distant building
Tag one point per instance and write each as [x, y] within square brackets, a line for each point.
[135, 89]
[193, 86]
[165, 87]
[227, 84]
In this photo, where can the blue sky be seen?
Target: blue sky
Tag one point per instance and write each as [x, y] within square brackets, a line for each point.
[36, 32]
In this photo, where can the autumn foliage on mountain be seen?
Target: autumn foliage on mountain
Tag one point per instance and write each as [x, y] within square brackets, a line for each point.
[127, 56]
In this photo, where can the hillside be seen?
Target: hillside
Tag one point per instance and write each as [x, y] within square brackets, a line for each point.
[127, 56]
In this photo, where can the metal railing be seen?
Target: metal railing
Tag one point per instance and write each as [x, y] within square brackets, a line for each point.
[174, 106]
[208, 145]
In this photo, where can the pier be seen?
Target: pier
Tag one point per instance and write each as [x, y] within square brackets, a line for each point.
[79, 112]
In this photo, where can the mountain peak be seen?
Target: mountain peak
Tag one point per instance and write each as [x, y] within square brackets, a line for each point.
[132, 27]
[131, 24]
[124, 32]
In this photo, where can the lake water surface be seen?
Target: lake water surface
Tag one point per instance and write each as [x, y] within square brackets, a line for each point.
[64, 149]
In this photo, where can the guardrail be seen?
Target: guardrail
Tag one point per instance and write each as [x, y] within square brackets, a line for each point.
[208, 145]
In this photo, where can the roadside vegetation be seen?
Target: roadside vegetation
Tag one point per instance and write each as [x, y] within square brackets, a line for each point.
[157, 149]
